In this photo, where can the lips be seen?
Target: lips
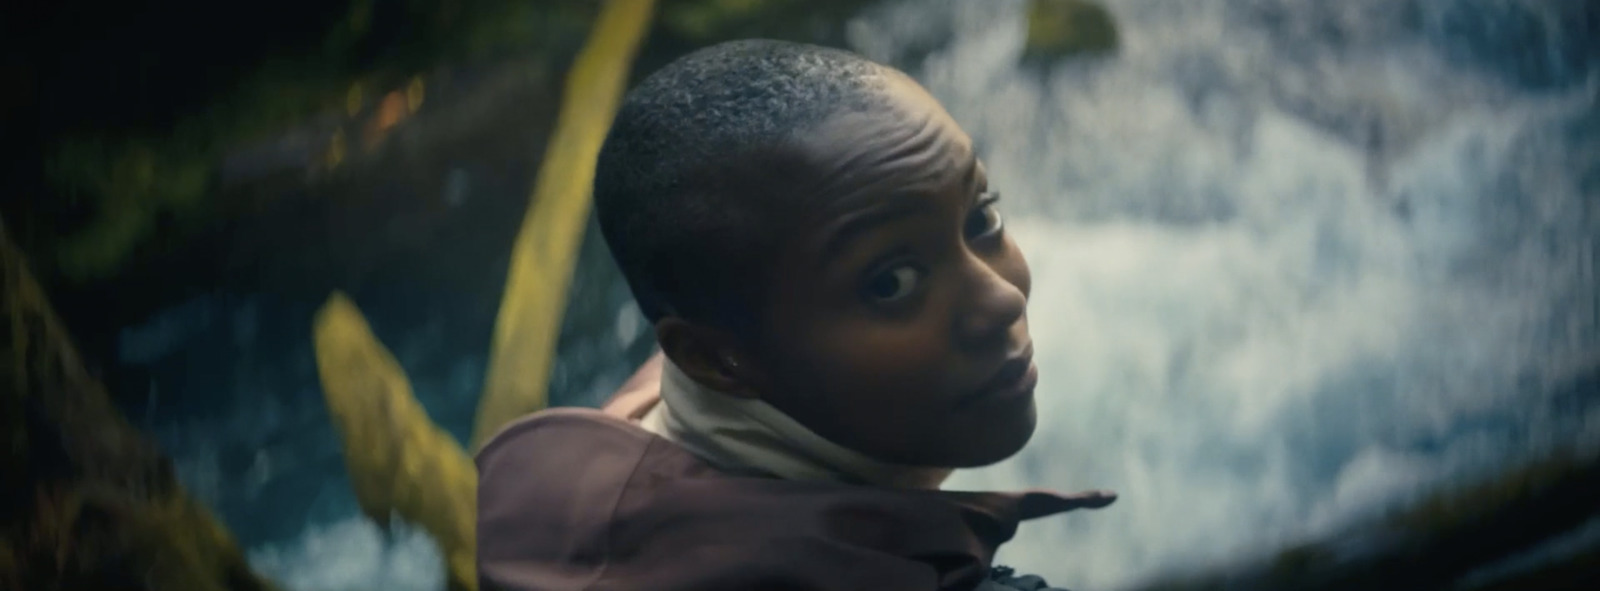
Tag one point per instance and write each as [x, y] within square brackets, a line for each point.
[1016, 378]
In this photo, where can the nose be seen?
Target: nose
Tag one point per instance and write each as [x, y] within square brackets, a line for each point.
[991, 305]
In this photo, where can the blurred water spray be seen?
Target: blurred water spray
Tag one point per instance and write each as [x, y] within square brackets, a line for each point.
[1293, 262]
[354, 555]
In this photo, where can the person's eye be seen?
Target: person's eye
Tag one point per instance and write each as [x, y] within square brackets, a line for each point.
[893, 284]
[985, 218]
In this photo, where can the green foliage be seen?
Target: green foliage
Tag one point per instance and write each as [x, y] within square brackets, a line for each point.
[131, 181]
[702, 19]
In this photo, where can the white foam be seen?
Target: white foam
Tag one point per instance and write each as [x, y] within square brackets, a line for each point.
[353, 554]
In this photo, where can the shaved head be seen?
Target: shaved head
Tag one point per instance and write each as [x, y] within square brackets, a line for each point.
[696, 178]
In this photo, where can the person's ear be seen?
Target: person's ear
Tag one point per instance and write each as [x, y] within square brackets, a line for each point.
[708, 355]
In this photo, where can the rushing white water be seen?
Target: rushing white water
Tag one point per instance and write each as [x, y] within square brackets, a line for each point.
[1292, 263]
[353, 554]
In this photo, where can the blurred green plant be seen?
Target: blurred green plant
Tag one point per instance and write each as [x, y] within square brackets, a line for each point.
[1058, 28]
[131, 182]
[703, 18]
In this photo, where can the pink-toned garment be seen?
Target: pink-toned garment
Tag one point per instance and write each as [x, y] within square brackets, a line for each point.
[573, 499]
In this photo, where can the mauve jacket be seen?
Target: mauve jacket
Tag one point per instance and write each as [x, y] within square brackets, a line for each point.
[582, 499]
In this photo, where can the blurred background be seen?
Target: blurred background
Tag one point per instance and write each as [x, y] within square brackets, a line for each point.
[1300, 267]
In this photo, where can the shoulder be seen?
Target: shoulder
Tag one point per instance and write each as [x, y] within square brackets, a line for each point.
[547, 435]
[574, 498]
[557, 461]
[547, 486]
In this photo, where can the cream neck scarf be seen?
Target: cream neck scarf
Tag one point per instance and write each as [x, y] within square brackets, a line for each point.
[744, 436]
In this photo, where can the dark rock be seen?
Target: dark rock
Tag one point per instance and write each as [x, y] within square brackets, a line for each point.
[87, 502]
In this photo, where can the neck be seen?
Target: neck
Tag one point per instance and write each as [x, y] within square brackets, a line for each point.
[745, 436]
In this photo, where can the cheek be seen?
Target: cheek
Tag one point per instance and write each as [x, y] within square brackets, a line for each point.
[881, 389]
[877, 361]
[1013, 266]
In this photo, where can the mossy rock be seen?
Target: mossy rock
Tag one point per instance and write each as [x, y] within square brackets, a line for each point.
[86, 501]
[1061, 28]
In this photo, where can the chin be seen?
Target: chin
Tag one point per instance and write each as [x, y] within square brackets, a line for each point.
[986, 441]
[999, 444]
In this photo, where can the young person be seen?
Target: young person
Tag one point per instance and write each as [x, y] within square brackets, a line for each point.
[843, 322]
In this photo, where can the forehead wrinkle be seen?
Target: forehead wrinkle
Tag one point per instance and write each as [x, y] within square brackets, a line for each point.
[868, 145]
[918, 155]
[863, 207]
[921, 153]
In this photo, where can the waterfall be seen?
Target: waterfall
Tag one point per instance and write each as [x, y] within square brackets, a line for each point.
[1293, 262]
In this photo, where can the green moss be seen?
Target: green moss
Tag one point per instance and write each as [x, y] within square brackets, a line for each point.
[1058, 28]
[704, 18]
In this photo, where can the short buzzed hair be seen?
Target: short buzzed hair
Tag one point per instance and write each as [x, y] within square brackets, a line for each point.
[684, 188]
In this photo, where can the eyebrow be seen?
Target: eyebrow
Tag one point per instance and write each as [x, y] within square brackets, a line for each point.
[893, 207]
[969, 177]
[841, 234]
